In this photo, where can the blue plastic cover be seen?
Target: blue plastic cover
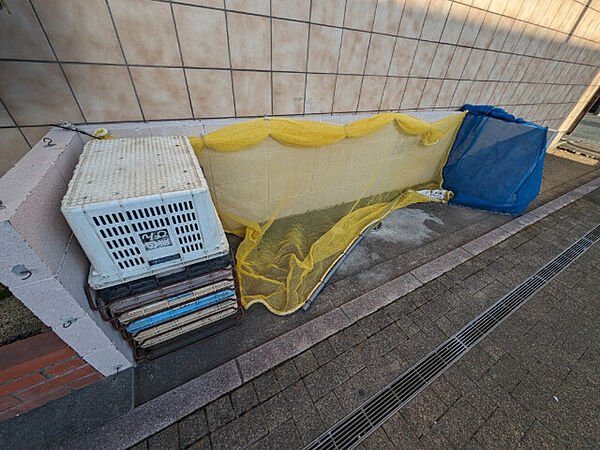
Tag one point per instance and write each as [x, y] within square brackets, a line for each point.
[496, 161]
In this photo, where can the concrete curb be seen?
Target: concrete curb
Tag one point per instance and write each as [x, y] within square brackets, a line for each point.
[172, 406]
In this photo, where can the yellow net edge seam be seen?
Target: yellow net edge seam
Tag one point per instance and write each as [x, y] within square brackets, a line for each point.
[312, 133]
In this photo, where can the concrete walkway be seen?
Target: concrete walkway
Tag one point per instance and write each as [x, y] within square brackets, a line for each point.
[531, 383]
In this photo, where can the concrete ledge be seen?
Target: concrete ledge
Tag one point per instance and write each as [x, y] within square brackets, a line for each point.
[165, 410]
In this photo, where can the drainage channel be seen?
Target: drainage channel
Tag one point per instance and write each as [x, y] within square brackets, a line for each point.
[363, 421]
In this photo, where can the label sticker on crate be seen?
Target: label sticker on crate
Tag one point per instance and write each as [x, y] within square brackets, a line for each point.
[156, 239]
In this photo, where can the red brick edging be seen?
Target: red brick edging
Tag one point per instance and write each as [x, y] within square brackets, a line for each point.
[37, 370]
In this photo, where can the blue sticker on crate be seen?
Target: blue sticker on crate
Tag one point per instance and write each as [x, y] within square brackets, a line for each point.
[165, 316]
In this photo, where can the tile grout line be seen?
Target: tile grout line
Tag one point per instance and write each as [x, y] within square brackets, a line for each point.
[60, 65]
[104, 433]
[114, 24]
[185, 79]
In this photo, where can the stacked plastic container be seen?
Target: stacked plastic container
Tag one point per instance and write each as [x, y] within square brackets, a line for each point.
[161, 270]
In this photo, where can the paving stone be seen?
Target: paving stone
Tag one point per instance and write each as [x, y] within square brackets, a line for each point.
[377, 440]
[537, 437]
[352, 361]
[325, 379]
[276, 411]
[202, 444]
[499, 432]
[166, 439]
[323, 352]
[219, 412]
[330, 410]
[340, 342]
[356, 390]
[445, 391]
[244, 398]
[458, 424]
[141, 446]
[400, 433]
[192, 428]
[283, 437]
[422, 411]
[368, 325]
[241, 432]
[306, 363]
[266, 385]
[287, 374]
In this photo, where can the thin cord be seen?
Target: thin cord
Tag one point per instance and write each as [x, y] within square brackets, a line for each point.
[71, 127]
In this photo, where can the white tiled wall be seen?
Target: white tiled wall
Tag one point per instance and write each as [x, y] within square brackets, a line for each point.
[98, 61]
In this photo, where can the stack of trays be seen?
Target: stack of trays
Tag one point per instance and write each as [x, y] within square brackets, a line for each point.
[160, 314]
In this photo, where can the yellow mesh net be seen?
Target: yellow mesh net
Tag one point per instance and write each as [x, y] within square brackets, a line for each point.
[305, 190]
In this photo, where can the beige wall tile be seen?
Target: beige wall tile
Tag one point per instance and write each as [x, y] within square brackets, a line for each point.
[105, 93]
[13, 148]
[360, 14]
[209, 3]
[388, 15]
[288, 93]
[38, 95]
[291, 9]
[471, 27]
[21, 36]
[5, 120]
[501, 33]
[413, 18]
[80, 31]
[457, 64]
[446, 93]
[319, 93]
[249, 41]
[370, 93]
[252, 93]
[423, 59]
[484, 72]
[392, 94]
[403, 56]
[441, 60]
[430, 93]
[162, 92]
[146, 32]
[210, 91]
[380, 54]
[329, 12]
[412, 93]
[454, 23]
[462, 90]
[487, 30]
[252, 6]
[354, 52]
[472, 65]
[34, 134]
[475, 92]
[290, 40]
[199, 25]
[347, 90]
[324, 49]
[435, 19]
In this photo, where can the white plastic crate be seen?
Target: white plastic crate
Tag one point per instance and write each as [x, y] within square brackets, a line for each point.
[141, 206]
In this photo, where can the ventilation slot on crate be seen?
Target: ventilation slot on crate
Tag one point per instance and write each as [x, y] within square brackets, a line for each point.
[186, 226]
[117, 237]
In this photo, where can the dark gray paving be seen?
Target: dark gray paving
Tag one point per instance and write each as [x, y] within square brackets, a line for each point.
[408, 238]
[532, 382]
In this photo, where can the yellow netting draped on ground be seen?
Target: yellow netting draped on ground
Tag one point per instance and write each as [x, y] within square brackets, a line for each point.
[299, 192]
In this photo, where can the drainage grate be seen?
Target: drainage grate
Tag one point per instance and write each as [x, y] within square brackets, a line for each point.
[359, 424]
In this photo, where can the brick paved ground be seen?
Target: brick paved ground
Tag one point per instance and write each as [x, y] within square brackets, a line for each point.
[38, 370]
[531, 383]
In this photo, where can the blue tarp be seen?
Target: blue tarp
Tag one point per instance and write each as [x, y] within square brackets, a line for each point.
[496, 161]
